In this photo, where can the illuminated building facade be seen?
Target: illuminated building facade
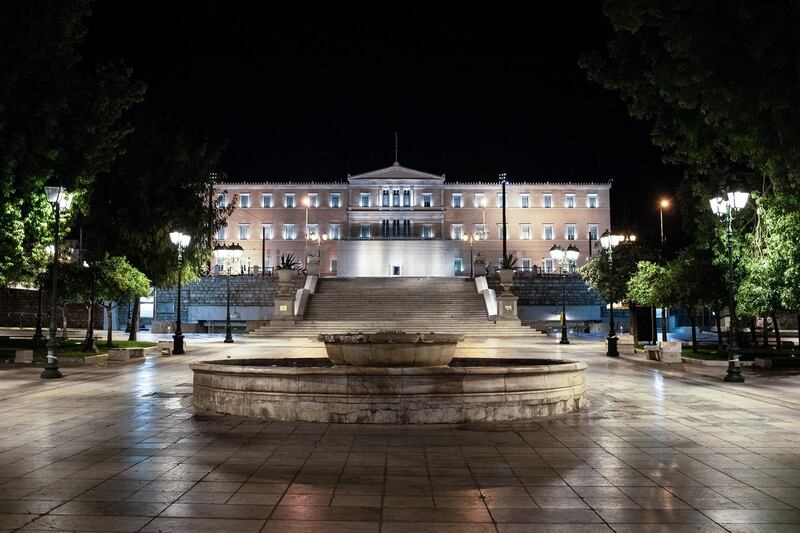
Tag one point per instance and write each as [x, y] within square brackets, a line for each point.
[397, 221]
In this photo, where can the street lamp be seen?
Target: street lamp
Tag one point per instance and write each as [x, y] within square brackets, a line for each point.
[89, 345]
[725, 208]
[503, 181]
[608, 242]
[564, 258]
[226, 254]
[181, 241]
[60, 199]
[663, 204]
[306, 203]
[471, 238]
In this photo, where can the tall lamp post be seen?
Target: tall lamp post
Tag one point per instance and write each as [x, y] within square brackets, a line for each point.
[89, 345]
[181, 241]
[226, 255]
[663, 204]
[725, 209]
[503, 180]
[471, 238]
[564, 258]
[608, 242]
[60, 199]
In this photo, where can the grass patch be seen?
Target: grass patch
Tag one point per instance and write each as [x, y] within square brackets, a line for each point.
[706, 354]
[70, 348]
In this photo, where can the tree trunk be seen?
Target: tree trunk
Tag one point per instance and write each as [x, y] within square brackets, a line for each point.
[109, 342]
[663, 324]
[634, 323]
[753, 336]
[88, 322]
[653, 332]
[766, 331]
[718, 321]
[777, 331]
[134, 320]
[64, 335]
[693, 323]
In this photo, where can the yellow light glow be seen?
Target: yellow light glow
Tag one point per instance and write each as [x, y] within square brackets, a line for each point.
[664, 202]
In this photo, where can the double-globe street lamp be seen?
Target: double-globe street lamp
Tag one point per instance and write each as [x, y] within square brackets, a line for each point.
[608, 242]
[471, 238]
[181, 241]
[564, 258]
[725, 209]
[226, 255]
[60, 199]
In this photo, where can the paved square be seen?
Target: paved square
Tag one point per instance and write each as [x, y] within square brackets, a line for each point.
[657, 450]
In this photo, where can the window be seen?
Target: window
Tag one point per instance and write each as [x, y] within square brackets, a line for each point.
[396, 198]
[395, 270]
[480, 229]
[500, 231]
[244, 231]
[385, 198]
[267, 264]
[364, 199]
[591, 201]
[266, 231]
[569, 200]
[456, 200]
[593, 231]
[525, 200]
[500, 199]
[571, 232]
[527, 265]
[335, 200]
[547, 232]
[365, 231]
[313, 199]
[407, 198]
[547, 200]
[458, 265]
[222, 234]
[288, 232]
[456, 231]
[335, 232]
[427, 231]
[312, 229]
[480, 200]
[288, 199]
[548, 265]
[525, 232]
[222, 200]
[244, 200]
[266, 200]
[334, 264]
[427, 199]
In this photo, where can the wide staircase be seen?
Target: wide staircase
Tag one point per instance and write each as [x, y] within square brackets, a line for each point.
[441, 305]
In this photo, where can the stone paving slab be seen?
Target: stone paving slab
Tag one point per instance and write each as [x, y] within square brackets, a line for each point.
[657, 450]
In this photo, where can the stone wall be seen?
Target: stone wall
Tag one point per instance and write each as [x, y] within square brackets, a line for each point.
[547, 289]
[205, 299]
[18, 308]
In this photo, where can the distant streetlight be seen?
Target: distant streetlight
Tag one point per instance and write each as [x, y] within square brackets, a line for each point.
[471, 239]
[503, 181]
[725, 209]
[226, 255]
[60, 199]
[181, 241]
[608, 242]
[564, 258]
[663, 204]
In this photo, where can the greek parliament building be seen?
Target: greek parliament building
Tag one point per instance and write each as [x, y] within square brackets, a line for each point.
[396, 221]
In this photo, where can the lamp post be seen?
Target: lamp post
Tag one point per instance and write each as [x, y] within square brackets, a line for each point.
[663, 204]
[471, 238]
[725, 208]
[503, 181]
[306, 203]
[60, 199]
[226, 255]
[608, 242]
[564, 258]
[89, 345]
[181, 241]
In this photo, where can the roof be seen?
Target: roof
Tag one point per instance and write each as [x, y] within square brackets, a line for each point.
[396, 171]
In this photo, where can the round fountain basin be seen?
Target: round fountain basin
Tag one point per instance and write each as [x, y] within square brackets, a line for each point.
[392, 349]
[314, 390]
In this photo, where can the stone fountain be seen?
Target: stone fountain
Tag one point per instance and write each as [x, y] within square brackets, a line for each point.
[390, 378]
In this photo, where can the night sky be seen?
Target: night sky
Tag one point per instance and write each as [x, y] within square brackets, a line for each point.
[314, 96]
